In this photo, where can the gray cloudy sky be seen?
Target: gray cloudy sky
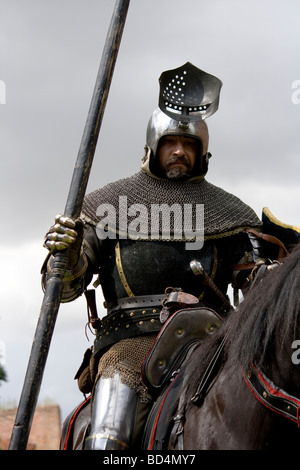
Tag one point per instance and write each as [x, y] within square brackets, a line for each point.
[50, 53]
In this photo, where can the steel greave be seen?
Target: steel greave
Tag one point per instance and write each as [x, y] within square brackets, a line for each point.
[114, 410]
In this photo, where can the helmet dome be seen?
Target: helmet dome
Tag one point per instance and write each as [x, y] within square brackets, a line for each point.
[161, 125]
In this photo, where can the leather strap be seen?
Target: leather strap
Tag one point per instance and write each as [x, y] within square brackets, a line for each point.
[209, 374]
[90, 296]
[270, 239]
[137, 301]
[271, 396]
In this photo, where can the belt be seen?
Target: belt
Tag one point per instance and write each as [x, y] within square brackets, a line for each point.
[135, 316]
[142, 301]
[127, 318]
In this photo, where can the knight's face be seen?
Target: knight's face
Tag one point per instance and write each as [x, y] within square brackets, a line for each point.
[177, 156]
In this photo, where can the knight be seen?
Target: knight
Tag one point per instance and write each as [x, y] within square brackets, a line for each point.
[139, 236]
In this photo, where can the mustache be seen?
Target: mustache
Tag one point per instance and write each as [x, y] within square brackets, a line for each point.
[173, 160]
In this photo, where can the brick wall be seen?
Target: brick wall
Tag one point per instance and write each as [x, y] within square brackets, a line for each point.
[45, 429]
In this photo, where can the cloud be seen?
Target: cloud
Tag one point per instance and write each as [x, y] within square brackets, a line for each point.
[51, 53]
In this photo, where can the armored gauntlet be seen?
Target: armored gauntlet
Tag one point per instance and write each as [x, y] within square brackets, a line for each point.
[67, 234]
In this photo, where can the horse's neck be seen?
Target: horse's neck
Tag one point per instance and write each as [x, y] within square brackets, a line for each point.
[283, 369]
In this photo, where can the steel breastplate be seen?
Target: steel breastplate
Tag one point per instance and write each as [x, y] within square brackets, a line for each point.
[145, 270]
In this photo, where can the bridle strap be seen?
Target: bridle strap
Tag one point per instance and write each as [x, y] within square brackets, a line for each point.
[272, 396]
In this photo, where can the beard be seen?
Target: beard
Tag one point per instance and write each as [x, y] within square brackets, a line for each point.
[178, 172]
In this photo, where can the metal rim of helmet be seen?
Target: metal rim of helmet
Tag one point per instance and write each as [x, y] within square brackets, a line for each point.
[161, 125]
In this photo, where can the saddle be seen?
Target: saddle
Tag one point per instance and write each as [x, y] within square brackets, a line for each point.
[163, 369]
[182, 331]
[160, 419]
[81, 415]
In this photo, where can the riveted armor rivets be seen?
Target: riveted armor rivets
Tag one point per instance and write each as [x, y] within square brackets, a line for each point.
[211, 328]
[179, 331]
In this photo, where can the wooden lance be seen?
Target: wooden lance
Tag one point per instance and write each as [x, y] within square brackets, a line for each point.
[54, 286]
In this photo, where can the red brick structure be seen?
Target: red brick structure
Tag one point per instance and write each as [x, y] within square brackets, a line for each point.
[45, 429]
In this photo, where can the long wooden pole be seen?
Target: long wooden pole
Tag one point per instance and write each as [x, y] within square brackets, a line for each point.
[54, 286]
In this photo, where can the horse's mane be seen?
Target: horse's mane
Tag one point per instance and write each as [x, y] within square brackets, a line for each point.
[269, 310]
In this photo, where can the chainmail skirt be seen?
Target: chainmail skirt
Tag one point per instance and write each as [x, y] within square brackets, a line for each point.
[125, 358]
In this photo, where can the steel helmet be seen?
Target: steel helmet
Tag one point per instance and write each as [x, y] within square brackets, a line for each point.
[187, 97]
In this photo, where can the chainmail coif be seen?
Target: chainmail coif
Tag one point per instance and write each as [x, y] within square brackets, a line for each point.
[224, 213]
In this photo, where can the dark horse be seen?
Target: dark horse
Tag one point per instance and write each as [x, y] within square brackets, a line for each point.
[250, 402]
[239, 388]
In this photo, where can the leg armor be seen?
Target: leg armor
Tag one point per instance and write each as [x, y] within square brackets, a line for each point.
[114, 411]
